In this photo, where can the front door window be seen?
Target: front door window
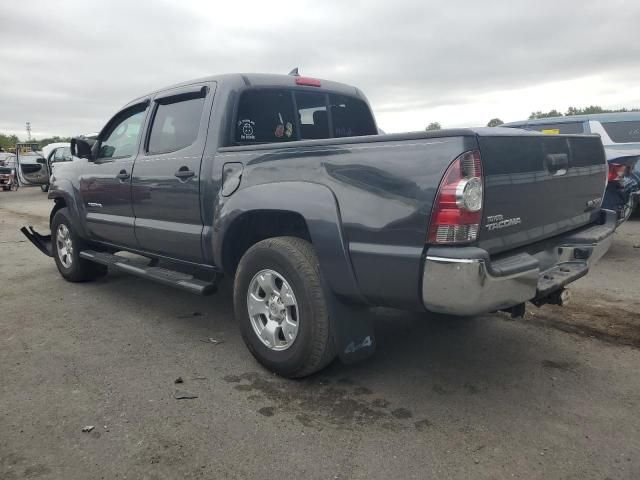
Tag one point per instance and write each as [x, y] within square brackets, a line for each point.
[121, 140]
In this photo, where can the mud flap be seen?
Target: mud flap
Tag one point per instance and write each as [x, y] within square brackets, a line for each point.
[353, 331]
[42, 242]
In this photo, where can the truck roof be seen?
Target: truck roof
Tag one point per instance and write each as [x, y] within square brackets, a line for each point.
[261, 80]
[601, 117]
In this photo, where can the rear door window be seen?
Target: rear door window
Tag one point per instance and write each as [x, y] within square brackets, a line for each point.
[623, 132]
[265, 116]
[176, 124]
[351, 117]
[557, 128]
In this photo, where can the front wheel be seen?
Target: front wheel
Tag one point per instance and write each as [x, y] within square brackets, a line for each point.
[44, 188]
[280, 307]
[66, 246]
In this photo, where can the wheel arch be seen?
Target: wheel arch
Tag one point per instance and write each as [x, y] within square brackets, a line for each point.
[62, 195]
[302, 209]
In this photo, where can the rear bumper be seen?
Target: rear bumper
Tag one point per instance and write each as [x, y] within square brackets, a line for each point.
[466, 281]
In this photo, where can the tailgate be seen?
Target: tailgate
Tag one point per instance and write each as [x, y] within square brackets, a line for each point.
[538, 186]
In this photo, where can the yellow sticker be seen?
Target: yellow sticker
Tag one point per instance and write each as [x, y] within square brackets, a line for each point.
[552, 131]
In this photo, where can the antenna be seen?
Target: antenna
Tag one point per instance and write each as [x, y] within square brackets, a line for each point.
[294, 72]
[29, 131]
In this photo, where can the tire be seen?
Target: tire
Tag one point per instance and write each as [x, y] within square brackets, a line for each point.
[66, 246]
[44, 188]
[294, 260]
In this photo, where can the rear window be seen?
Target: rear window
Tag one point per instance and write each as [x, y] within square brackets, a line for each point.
[312, 112]
[351, 117]
[557, 128]
[266, 116]
[273, 116]
[623, 132]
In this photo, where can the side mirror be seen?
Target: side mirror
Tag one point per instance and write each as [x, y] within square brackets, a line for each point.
[81, 147]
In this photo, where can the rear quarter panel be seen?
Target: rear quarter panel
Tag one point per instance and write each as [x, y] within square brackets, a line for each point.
[384, 192]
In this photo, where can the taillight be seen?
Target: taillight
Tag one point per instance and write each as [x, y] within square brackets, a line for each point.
[457, 211]
[616, 172]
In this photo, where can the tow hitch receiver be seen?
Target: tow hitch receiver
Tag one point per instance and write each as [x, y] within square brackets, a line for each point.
[560, 297]
[42, 242]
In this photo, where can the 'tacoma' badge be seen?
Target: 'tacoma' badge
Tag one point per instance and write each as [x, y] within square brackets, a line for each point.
[496, 222]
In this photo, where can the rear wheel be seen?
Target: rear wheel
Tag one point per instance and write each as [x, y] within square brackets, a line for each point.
[280, 307]
[66, 247]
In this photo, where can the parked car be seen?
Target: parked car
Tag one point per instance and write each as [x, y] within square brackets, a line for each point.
[620, 133]
[32, 168]
[282, 183]
[8, 179]
[55, 153]
[7, 157]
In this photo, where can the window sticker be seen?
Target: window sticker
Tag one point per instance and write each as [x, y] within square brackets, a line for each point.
[343, 132]
[280, 128]
[246, 127]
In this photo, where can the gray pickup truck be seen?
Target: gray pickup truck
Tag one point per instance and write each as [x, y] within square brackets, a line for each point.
[283, 184]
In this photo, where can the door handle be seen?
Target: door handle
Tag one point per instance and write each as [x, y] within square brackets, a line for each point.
[183, 173]
[123, 175]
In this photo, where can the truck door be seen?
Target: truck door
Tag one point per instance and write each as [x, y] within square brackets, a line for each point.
[166, 176]
[105, 183]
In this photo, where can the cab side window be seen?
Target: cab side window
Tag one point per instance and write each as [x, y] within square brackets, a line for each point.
[175, 124]
[122, 137]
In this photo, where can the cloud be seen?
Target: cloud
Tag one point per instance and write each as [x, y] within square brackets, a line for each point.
[68, 66]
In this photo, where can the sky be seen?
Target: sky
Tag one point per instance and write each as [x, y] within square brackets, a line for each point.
[67, 66]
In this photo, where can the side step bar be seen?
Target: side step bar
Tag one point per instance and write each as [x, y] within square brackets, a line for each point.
[157, 274]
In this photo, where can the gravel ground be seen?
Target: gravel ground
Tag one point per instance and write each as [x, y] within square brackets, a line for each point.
[555, 395]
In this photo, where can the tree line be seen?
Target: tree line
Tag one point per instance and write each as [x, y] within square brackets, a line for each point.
[9, 141]
[591, 109]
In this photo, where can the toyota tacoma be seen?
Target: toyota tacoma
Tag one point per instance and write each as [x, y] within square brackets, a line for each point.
[283, 183]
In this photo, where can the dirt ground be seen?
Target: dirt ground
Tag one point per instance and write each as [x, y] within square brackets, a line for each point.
[555, 395]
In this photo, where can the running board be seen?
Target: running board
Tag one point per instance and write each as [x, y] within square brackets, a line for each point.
[157, 274]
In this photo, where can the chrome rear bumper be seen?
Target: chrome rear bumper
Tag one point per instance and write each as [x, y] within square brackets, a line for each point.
[466, 281]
